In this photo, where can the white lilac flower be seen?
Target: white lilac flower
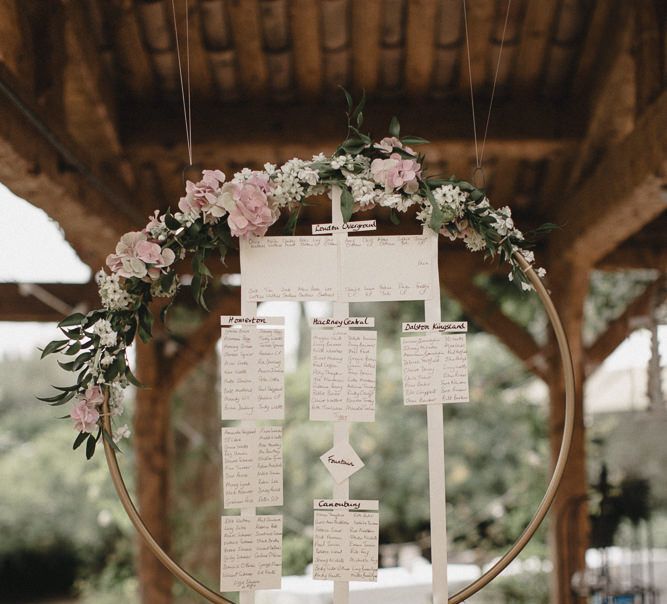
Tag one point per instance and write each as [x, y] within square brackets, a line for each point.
[473, 240]
[121, 433]
[309, 175]
[503, 222]
[269, 168]
[541, 272]
[106, 360]
[103, 329]
[112, 294]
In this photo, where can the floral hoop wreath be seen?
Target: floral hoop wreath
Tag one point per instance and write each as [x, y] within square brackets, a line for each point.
[214, 212]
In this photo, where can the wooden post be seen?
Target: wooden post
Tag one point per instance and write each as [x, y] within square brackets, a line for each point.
[568, 533]
[152, 437]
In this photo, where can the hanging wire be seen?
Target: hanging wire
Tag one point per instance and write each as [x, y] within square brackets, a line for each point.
[187, 107]
[479, 156]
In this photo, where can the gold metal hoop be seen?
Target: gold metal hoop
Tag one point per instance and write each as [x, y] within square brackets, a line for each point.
[475, 586]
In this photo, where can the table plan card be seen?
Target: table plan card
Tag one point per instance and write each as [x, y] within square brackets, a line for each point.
[401, 267]
[252, 461]
[252, 365]
[251, 553]
[314, 268]
[289, 268]
[342, 380]
[345, 545]
[435, 369]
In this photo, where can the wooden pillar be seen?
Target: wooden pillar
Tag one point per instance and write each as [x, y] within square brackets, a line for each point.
[197, 465]
[568, 534]
[152, 436]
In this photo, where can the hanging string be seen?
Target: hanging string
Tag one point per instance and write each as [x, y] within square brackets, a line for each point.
[187, 107]
[479, 156]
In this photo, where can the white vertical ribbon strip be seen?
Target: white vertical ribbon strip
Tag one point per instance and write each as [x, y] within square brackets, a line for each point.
[436, 456]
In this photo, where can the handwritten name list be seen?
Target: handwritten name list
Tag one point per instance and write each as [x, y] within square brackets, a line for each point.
[308, 268]
[435, 369]
[251, 553]
[252, 373]
[253, 466]
[342, 382]
[345, 545]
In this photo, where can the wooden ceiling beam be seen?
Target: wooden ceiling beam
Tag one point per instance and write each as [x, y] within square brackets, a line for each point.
[89, 97]
[247, 33]
[40, 162]
[625, 192]
[420, 46]
[306, 30]
[366, 19]
[251, 131]
[45, 302]
[633, 317]
[485, 313]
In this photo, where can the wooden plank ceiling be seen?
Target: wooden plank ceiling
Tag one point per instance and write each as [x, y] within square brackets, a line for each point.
[265, 77]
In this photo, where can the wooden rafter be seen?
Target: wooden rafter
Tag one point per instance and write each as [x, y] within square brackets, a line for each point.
[45, 302]
[634, 316]
[486, 314]
[621, 196]
[40, 162]
[420, 49]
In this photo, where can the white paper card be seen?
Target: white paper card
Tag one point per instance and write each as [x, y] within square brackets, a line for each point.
[289, 268]
[251, 553]
[342, 461]
[435, 369]
[389, 268]
[402, 267]
[252, 364]
[342, 380]
[345, 546]
[252, 461]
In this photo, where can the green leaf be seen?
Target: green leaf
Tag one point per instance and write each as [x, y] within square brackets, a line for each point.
[132, 379]
[78, 441]
[107, 437]
[171, 222]
[394, 217]
[290, 225]
[54, 346]
[358, 109]
[91, 443]
[346, 203]
[73, 349]
[348, 99]
[394, 127]
[68, 396]
[52, 399]
[75, 319]
[145, 323]
[360, 119]
[414, 140]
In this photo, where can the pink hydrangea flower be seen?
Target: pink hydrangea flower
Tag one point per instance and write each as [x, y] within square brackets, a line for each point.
[388, 143]
[134, 254]
[93, 396]
[396, 173]
[250, 210]
[85, 417]
[203, 197]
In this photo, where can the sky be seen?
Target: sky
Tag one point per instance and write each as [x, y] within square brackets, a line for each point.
[33, 249]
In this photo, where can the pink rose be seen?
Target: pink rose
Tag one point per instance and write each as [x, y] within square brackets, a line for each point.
[251, 213]
[134, 252]
[396, 173]
[85, 417]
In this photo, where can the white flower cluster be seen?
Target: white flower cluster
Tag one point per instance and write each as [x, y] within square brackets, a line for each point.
[116, 399]
[289, 187]
[103, 329]
[121, 432]
[112, 294]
